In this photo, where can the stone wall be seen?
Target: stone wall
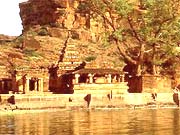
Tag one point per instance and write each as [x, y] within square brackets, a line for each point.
[79, 101]
[98, 88]
[157, 84]
[150, 84]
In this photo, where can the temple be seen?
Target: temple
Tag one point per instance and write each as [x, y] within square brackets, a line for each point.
[67, 76]
[69, 21]
[63, 34]
[71, 75]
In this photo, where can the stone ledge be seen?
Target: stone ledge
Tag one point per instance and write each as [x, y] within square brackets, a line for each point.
[137, 100]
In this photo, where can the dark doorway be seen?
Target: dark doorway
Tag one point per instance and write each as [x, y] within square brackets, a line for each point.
[33, 84]
[5, 86]
[83, 78]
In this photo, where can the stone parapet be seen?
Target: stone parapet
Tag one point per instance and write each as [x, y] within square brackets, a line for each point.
[71, 101]
[34, 72]
[118, 87]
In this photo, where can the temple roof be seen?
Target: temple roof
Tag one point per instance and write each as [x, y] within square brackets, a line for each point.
[97, 71]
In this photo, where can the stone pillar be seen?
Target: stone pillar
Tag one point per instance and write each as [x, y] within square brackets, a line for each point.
[109, 78]
[41, 89]
[77, 78]
[36, 86]
[115, 79]
[122, 78]
[27, 85]
[119, 79]
[73, 81]
[2, 85]
[14, 84]
[90, 78]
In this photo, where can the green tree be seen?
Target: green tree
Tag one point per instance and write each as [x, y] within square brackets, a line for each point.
[146, 32]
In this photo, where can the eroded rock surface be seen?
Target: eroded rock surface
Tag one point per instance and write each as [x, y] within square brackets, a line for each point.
[56, 13]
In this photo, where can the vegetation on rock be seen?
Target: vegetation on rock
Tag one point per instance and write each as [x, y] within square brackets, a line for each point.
[145, 32]
[90, 58]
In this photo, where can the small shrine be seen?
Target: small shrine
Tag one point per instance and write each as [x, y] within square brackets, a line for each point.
[98, 80]
[32, 81]
[24, 81]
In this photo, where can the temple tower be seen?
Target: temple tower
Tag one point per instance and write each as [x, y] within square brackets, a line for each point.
[69, 57]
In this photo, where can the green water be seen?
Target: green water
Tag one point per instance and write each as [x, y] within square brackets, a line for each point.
[101, 122]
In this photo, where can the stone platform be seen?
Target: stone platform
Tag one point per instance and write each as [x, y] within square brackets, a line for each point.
[86, 101]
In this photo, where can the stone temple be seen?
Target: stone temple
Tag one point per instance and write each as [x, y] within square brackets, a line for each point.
[67, 73]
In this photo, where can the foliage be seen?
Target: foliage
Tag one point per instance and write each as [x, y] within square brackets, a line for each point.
[43, 32]
[82, 6]
[31, 32]
[18, 42]
[90, 58]
[20, 39]
[31, 53]
[146, 32]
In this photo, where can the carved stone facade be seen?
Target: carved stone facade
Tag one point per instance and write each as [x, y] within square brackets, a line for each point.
[25, 81]
[32, 81]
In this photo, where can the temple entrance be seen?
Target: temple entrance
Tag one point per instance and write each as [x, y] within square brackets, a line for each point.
[34, 84]
[5, 86]
[83, 78]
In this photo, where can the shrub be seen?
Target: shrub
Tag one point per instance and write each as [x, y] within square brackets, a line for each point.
[90, 58]
[31, 53]
[43, 32]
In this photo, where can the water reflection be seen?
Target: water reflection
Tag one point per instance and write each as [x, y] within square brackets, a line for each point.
[124, 122]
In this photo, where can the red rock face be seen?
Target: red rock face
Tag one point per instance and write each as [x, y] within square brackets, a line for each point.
[58, 16]
[62, 13]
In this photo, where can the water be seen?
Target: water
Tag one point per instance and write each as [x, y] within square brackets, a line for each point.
[102, 122]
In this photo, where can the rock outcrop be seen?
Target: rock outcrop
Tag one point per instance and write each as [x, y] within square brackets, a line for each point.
[47, 24]
[5, 38]
[57, 15]
[61, 13]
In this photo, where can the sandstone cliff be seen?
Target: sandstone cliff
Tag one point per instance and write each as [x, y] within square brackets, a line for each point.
[47, 25]
[59, 14]
[43, 12]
